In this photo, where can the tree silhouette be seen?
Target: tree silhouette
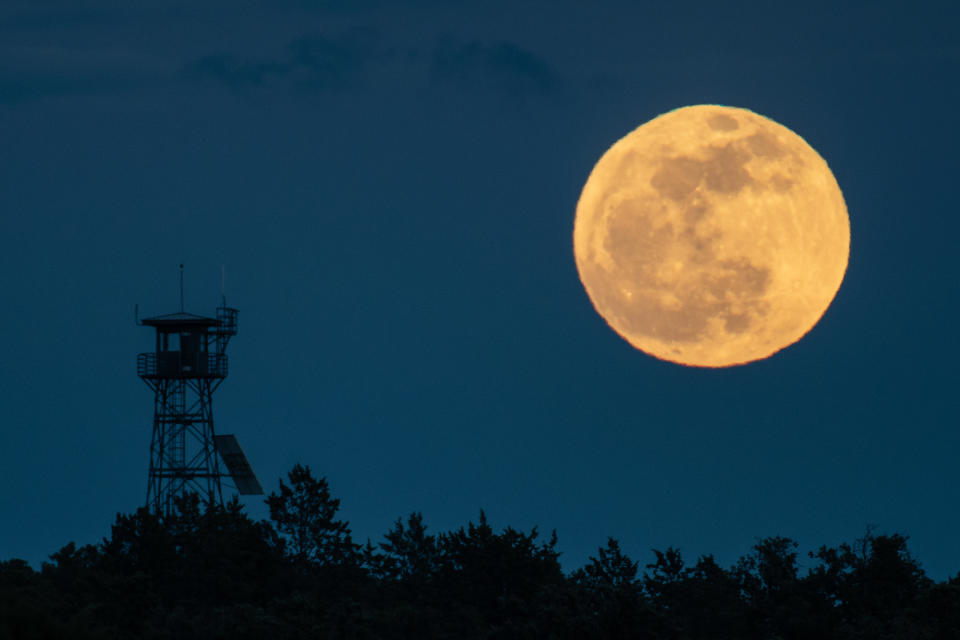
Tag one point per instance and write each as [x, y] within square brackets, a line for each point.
[777, 601]
[409, 555]
[501, 581]
[877, 588]
[713, 602]
[304, 513]
[610, 599]
[208, 571]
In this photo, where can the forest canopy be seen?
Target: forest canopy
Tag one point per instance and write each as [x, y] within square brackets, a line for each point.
[209, 571]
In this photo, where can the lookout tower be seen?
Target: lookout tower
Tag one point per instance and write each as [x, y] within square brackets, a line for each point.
[186, 366]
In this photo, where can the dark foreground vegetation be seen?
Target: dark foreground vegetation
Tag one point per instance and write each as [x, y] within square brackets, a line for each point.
[211, 572]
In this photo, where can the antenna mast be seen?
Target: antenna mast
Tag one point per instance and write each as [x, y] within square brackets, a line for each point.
[181, 288]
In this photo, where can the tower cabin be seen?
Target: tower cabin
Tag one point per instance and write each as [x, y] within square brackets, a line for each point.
[188, 346]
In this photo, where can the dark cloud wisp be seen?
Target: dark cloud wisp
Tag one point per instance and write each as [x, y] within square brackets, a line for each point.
[502, 66]
[321, 63]
[309, 62]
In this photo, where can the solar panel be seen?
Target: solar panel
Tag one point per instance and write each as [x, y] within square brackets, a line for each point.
[240, 470]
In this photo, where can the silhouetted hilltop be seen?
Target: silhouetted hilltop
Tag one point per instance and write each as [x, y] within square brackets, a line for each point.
[211, 572]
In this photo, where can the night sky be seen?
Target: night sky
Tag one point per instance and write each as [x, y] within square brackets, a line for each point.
[390, 188]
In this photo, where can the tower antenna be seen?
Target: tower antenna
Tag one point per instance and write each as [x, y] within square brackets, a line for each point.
[223, 284]
[181, 288]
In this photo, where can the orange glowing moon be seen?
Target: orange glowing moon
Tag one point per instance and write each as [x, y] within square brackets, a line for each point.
[711, 236]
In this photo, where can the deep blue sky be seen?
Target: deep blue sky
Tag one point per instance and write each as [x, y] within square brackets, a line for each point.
[391, 188]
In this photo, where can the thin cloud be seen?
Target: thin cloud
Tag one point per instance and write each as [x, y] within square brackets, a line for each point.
[309, 62]
[502, 66]
[330, 63]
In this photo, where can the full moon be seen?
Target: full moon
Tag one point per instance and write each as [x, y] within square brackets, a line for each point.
[711, 236]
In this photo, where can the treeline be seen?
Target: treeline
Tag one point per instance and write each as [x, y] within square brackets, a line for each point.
[212, 572]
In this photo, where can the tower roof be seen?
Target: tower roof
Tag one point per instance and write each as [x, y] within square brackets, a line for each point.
[180, 319]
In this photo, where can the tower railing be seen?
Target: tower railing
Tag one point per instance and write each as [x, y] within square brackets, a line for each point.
[179, 364]
[227, 321]
[147, 365]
